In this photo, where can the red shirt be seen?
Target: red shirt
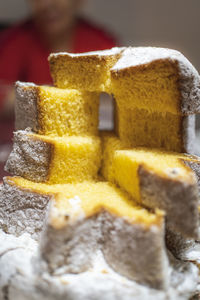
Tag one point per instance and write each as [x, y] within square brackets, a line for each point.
[23, 56]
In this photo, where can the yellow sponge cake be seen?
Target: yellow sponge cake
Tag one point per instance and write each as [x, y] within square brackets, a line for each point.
[56, 112]
[85, 71]
[110, 143]
[92, 198]
[155, 90]
[157, 179]
[54, 159]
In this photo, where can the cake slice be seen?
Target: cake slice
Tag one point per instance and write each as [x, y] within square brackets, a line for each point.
[155, 90]
[54, 159]
[85, 71]
[157, 179]
[56, 112]
[90, 216]
[156, 79]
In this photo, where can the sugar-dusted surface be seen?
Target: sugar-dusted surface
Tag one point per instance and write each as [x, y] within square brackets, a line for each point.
[108, 52]
[188, 81]
[19, 280]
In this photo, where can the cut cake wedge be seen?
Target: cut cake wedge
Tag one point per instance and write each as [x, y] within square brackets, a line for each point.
[85, 71]
[54, 159]
[159, 179]
[84, 218]
[56, 112]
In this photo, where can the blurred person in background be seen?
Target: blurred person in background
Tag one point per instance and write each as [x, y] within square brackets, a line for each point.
[54, 26]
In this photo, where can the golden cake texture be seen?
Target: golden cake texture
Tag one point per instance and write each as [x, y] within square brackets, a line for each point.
[79, 191]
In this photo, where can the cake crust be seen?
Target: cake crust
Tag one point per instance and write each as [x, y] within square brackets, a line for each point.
[130, 60]
[20, 280]
[179, 200]
[22, 210]
[70, 248]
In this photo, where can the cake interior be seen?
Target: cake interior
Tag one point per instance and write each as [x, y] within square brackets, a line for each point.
[142, 128]
[148, 114]
[73, 159]
[88, 198]
[147, 94]
[148, 105]
[152, 86]
[64, 112]
[169, 166]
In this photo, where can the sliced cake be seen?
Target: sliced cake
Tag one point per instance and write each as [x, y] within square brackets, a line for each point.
[142, 128]
[85, 71]
[57, 196]
[157, 179]
[54, 159]
[155, 90]
[156, 79]
[52, 111]
[85, 217]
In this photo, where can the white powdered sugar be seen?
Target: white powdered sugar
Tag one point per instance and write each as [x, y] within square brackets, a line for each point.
[108, 52]
[19, 280]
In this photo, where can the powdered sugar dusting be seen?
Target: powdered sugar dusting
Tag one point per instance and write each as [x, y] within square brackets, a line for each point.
[20, 279]
[108, 52]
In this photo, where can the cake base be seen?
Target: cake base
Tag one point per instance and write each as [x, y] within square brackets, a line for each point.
[20, 281]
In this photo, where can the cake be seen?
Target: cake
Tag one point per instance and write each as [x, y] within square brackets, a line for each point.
[147, 83]
[22, 211]
[110, 199]
[85, 71]
[56, 112]
[156, 79]
[54, 159]
[156, 130]
[82, 218]
[156, 179]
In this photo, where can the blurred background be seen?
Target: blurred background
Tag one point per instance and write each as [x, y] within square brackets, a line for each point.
[173, 24]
